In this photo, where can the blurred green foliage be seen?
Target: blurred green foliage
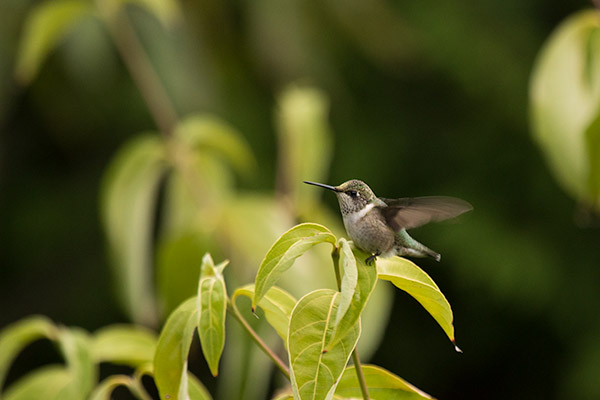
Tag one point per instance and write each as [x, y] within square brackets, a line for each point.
[424, 99]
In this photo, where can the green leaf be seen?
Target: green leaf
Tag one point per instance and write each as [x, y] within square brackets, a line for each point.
[284, 251]
[49, 383]
[356, 293]
[277, 305]
[405, 275]
[565, 103]
[382, 384]
[17, 336]
[212, 309]
[104, 390]
[315, 371]
[124, 344]
[75, 346]
[170, 359]
[305, 144]
[206, 133]
[196, 389]
[129, 195]
[47, 24]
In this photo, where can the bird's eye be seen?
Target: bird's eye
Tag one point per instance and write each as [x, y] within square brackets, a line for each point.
[352, 193]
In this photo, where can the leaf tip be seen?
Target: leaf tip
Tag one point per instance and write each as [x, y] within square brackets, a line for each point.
[456, 348]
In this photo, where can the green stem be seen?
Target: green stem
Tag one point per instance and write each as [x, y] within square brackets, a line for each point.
[335, 255]
[232, 308]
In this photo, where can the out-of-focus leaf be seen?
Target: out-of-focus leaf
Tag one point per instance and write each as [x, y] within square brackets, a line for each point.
[49, 383]
[212, 309]
[18, 335]
[382, 384]
[47, 24]
[315, 371]
[167, 11]
[284, 251]
[177, 268]
[124, 344]
[207, 133]
[405, 275]
[170, 359]
[277, 305]
[196, 389]
[129, 194]
[565, 103]
[352, 261]
[75, 347]
[305, 143]
[104, 390]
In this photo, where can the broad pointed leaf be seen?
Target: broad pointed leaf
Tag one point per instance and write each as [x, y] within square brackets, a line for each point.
[315, 371]
[124, 344]
[382, 385]
[405, 275]
[49, 383]
[170, 359]
[17, 336]
[284, 252]
[356, 289]
[47, 24]
[129, 195]
[277, 305]
[212, 308]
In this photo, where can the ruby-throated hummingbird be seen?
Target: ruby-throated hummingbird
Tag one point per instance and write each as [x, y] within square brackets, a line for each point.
[378, 225]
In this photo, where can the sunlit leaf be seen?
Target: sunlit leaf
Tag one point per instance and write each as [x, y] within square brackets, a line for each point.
[405, 275]
[315, 371]
[129, 195]
[49, 383]
[124, 344]
[15, 337]
[565, 103]
[46, 25]
[382, 385]
[356, 293]
[277, 305]
[75, 347]
[305, 143]
[207, 133]
[212, 308]
[284, 251]
[170, 359]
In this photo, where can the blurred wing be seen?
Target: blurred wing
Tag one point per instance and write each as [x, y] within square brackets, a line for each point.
[412, 212]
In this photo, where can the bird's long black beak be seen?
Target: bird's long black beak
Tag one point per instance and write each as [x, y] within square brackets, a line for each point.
[323, 186]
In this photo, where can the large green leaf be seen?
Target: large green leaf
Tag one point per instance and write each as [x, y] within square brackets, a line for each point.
[47, 24]
[277, 305]
[284, 251]
[170, 359]
[129, 195]
[565, 104]
[382, 385]
[358, 283]
[405, 275]
[124, 344]
[51, 382]
[314, 370]
[75, 346]
[212, 309]
[206, 133]
[17, 336]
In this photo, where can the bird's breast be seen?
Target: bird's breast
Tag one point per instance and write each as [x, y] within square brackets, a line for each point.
[368, 230]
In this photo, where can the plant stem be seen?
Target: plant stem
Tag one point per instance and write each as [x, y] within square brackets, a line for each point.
[335, 255]
[140, 67]
[232, 308]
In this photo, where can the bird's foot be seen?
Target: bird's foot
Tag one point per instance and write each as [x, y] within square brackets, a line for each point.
[371, 259]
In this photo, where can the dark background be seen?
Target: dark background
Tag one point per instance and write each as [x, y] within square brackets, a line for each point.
[426, 98]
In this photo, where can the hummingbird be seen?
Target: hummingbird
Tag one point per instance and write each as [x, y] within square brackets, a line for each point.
[379, 226]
